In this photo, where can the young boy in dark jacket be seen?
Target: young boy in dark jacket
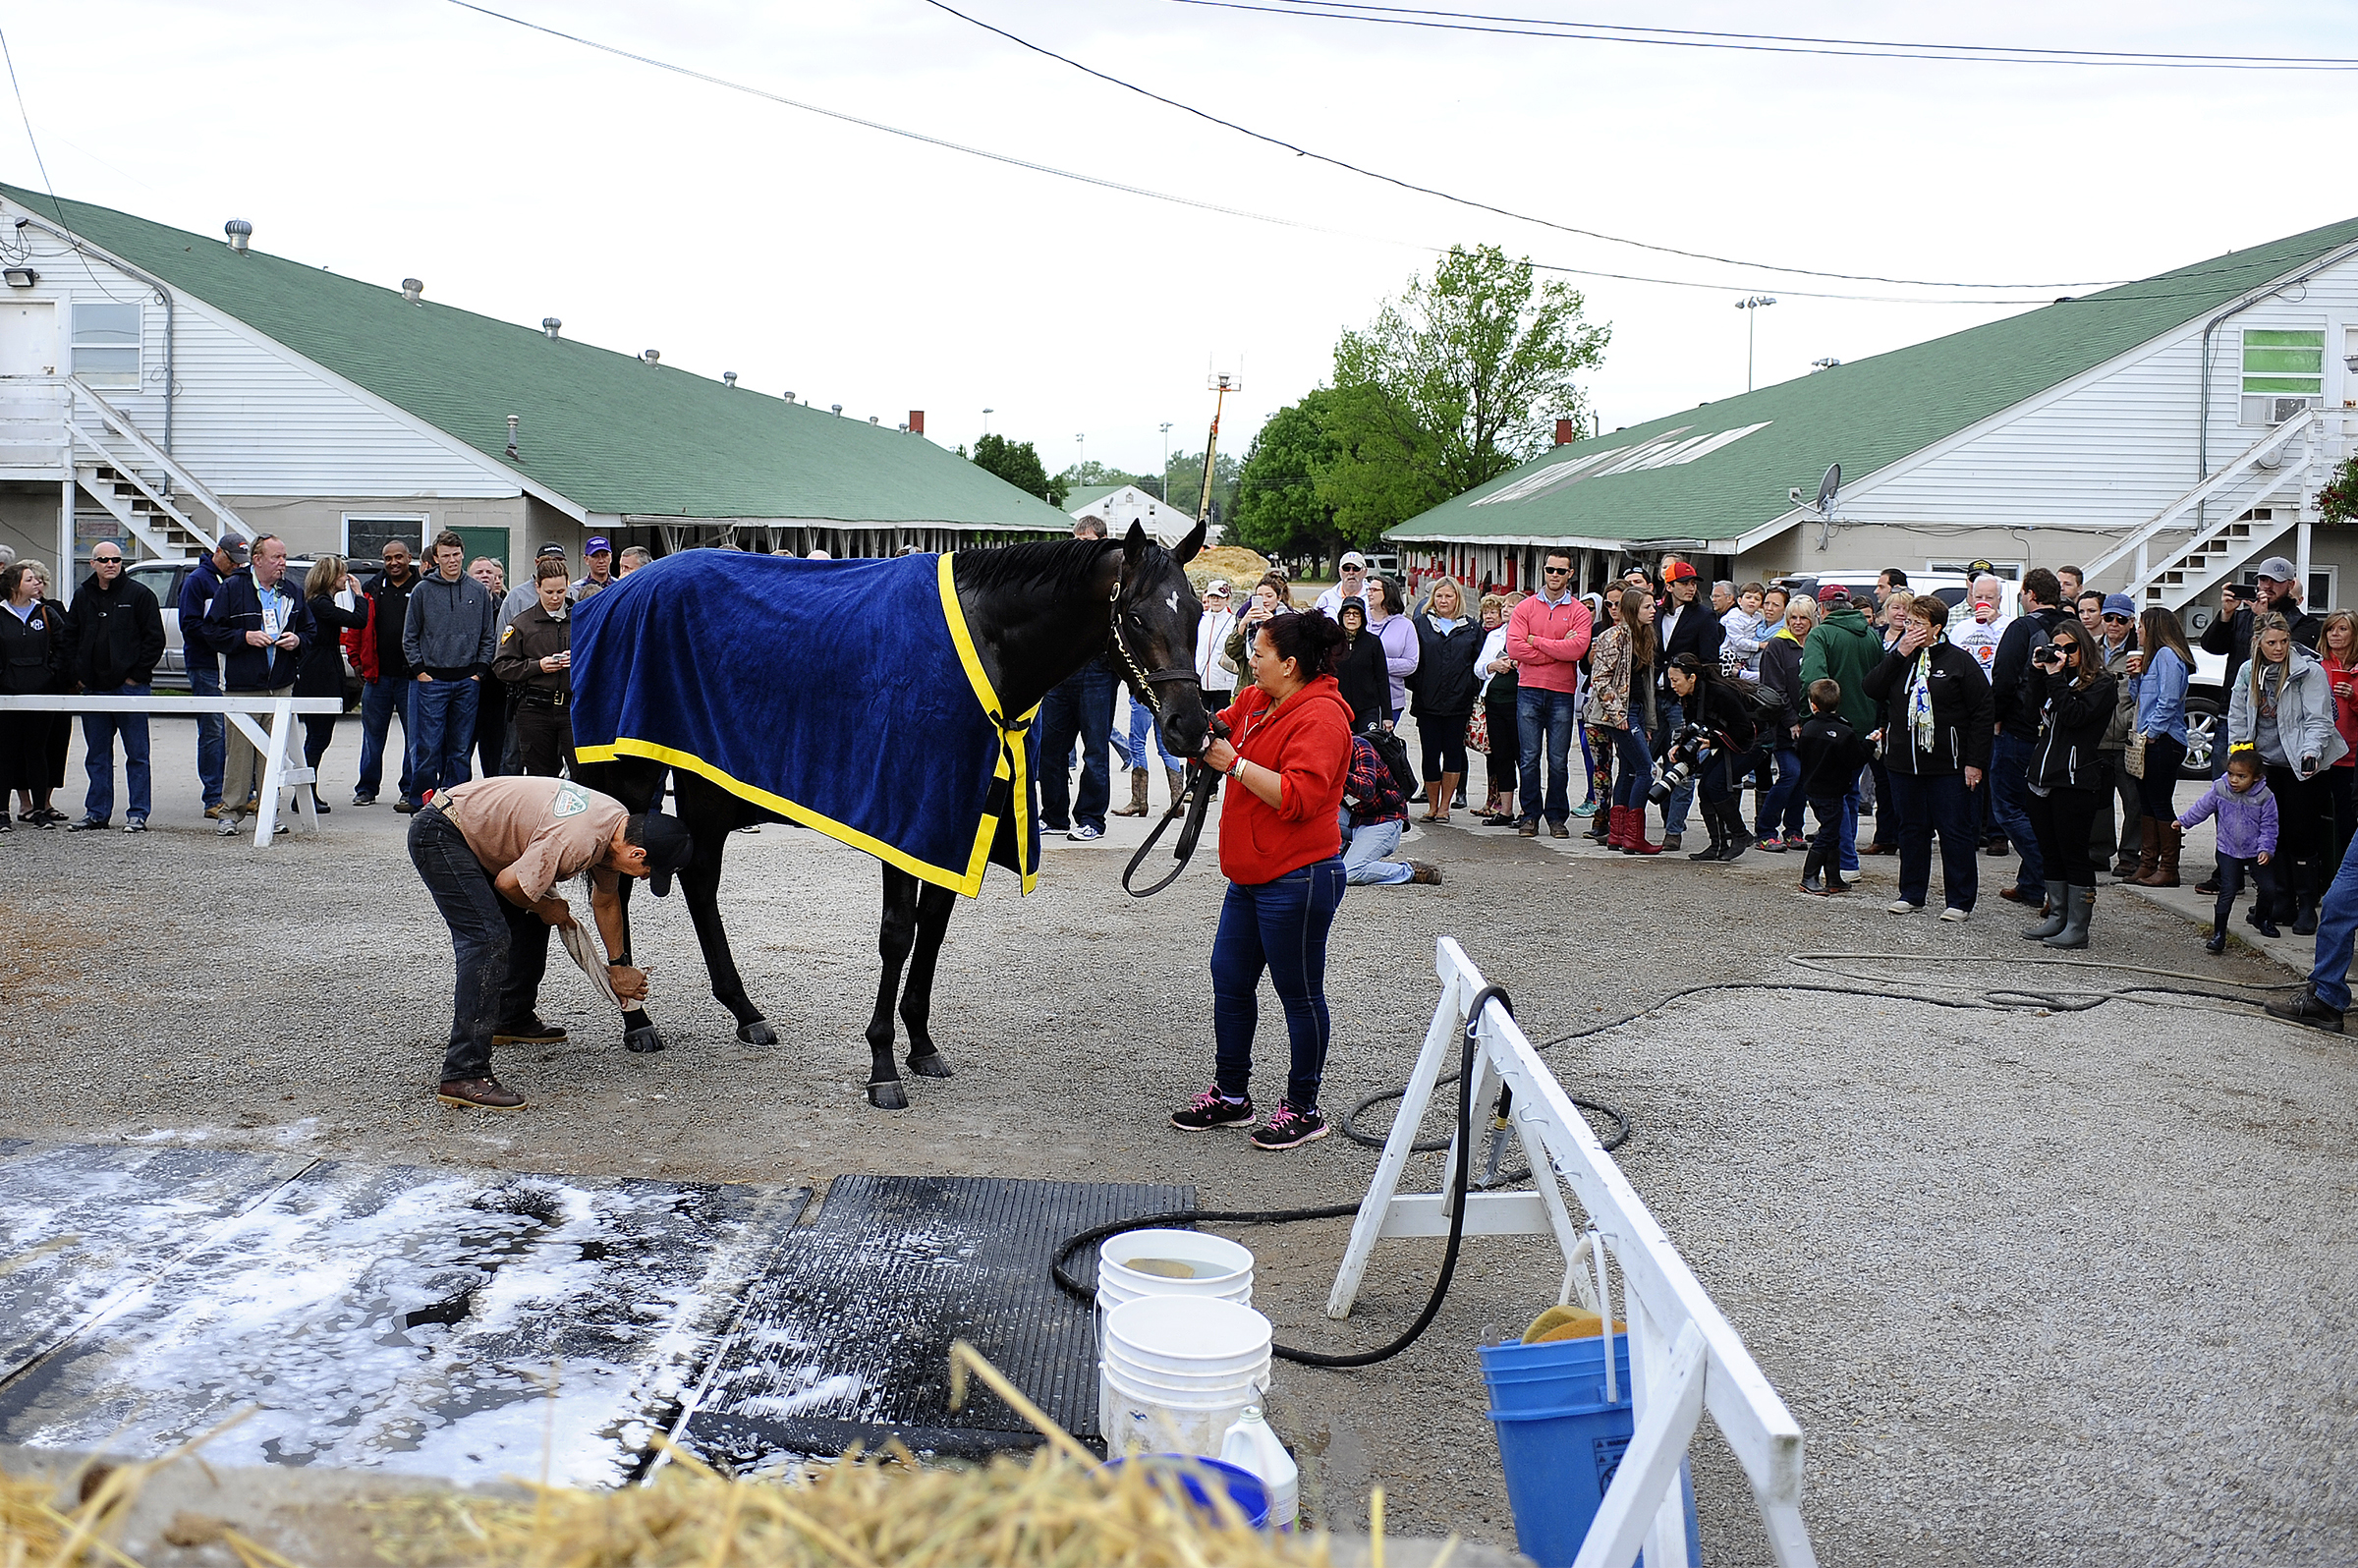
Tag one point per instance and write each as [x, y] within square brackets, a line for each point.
[1831, 755]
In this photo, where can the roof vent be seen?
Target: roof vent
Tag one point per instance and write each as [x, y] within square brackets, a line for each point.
[728, 378]
[837, 408]
[790, 396]
[513, 422]
[410, 289]
[239, 232]
[873, 419]
[551, 327]
[651, 356]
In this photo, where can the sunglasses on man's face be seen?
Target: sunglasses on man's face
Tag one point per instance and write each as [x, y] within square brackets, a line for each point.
[2118, 620]
[107, 560]
[1557, 571]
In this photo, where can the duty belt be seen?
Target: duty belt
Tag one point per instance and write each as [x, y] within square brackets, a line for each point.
[540, 699]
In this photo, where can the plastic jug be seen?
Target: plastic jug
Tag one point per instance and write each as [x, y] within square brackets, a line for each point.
[1252, 1445]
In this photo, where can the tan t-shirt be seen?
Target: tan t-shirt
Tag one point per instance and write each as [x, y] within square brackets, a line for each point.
[550, 829]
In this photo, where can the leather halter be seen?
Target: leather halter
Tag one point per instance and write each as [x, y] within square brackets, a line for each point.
[1142, 681]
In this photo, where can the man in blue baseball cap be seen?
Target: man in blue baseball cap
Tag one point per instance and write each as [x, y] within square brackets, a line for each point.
[598, 555]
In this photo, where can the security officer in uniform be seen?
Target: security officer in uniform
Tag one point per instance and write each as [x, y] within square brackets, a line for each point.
[535, 660]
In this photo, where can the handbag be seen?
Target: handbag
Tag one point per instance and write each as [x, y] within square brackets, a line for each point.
[1477, 732]
[2132, 755]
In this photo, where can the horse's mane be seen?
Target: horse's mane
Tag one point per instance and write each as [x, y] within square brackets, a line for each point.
[1058, 567]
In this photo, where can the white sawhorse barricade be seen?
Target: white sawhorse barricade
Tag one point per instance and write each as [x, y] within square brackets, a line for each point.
[1684, 1356]
[282, 754]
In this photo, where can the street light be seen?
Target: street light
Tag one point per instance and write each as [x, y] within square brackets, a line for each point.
[1165, 487]
[1081, 446]
[1749, 307]
[986, 414]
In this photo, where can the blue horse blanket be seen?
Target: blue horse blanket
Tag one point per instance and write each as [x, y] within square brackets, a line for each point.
[846, 696]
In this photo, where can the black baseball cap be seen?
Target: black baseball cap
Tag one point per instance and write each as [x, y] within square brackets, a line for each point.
[668, 844]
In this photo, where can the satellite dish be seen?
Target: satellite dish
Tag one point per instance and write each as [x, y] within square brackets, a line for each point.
[1828, 486]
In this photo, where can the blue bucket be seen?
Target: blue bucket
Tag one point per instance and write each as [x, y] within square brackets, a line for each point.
[1560, 1441]
[1243, 1487]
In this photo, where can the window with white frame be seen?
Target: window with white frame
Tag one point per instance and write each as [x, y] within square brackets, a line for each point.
[366, 534]
[2283, 373]
[105, 350]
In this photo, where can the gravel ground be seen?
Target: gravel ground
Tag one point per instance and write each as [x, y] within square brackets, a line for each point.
[2067, 1288]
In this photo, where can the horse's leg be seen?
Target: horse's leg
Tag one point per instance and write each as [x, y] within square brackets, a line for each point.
[895, 934]
[710, 813]
[640, 786]
[933, 906]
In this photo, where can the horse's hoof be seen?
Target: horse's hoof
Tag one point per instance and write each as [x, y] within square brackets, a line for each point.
[930, 1065]
[645, 1041]
[888, 1096]
[758, 1032]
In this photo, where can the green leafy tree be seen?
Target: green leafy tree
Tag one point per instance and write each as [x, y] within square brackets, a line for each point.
[1183, 483]
[1278, 511]
[1094, 474]
[1019, 466]
[1458, 380]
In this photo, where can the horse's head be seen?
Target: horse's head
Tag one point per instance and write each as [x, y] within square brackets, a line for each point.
[1155, 627]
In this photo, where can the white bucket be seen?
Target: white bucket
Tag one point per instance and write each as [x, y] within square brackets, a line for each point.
[1227, 1276]
[1178, 1371]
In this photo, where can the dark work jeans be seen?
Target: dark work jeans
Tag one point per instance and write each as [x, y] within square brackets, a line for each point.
[1928, 804]
[381, 701]
[1082, 706]
[2009, 806]
[2061, 819]
[1279, 927]
[445, 713]
[212, 750]
[502, 951]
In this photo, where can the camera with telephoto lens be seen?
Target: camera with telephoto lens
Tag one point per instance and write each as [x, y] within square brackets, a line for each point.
[1690, 745]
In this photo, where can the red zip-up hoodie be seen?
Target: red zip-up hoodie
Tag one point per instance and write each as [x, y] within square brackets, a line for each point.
[1306, 743]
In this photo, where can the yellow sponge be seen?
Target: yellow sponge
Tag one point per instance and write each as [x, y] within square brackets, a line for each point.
[1566, 1322]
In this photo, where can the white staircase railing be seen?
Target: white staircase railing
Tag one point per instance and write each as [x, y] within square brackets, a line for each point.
[116, 464]
[2173, 561]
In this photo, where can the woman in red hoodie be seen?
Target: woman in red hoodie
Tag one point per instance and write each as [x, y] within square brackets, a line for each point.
[1288, 751]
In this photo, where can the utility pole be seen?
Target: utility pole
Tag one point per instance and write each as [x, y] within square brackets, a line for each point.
[1162, 486]
[1751, 307]
[1080, 445]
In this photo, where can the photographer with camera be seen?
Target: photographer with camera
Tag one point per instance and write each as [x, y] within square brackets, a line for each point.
[2067, 688]
[1721, 744]
[1937, 714]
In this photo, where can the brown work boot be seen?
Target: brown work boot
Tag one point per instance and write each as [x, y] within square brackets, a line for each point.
[1137, 796]
[482, 1092]
[1423, 872]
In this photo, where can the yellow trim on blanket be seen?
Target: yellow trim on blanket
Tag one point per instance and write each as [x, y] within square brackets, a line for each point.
[970, 881]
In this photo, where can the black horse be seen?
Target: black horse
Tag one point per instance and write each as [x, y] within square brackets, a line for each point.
[1038, 613]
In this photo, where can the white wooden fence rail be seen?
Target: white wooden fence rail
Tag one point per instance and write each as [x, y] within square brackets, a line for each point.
[282, 758]
[1684, 1354]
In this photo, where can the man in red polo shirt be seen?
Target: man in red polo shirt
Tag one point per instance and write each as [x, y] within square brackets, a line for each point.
[1547, 637]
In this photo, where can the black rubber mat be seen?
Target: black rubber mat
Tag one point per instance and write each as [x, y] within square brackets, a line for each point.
[848, 1340]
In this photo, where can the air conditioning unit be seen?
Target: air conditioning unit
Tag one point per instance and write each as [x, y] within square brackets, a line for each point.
[2261, 408]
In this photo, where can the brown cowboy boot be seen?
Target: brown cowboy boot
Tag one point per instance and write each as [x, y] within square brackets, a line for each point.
[2165, 867]
[2149, 854]
[1137, 796]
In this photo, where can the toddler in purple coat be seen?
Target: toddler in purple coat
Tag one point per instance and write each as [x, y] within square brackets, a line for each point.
[2247, 842]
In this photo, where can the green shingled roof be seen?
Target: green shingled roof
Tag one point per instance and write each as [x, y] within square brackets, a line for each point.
[605, 431]
[1864, 415]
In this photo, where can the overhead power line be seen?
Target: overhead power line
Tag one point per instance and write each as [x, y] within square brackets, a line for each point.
[1780, 43]
[1246, 213]
[1486, 206]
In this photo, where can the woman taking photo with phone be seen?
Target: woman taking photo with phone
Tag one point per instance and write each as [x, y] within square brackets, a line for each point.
[2067, 688]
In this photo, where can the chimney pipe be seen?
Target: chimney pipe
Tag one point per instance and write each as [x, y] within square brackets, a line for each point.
[728, 378]
[651, 356]
[410, 289]
[1567, 431]
[513, 422]
[917, 422]
[549, 325]
[239, 232]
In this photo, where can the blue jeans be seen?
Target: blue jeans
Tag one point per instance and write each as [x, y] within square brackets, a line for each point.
[501, 948]
[2009, 806]
[445, 712]
[1633, 767]
[1364, 852]
[1850, 828]
[204, 680]
[380, 701]
[1674, 809]
[1134, 750]
[2336, 929]
[1279, 927]
[1082, 706]
[1545, 718]
[98, 732]
[1927, 803]
[1785, 803]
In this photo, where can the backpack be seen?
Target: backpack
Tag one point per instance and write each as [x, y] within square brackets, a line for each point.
[1396, 761]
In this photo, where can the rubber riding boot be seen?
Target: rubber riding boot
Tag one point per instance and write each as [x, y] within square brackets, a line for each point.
[2216, 942]
[2304, 903]
[1137, 796]
[2079, 907]
[2165, 857]
[1604, 827]
[1813, 868]
[2059, 901]
[2148, 855]
[1717, 848]
[1738, 841]
[1178, 778]
[1634, 841]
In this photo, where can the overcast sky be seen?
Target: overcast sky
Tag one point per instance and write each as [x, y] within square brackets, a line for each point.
[523, 176]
